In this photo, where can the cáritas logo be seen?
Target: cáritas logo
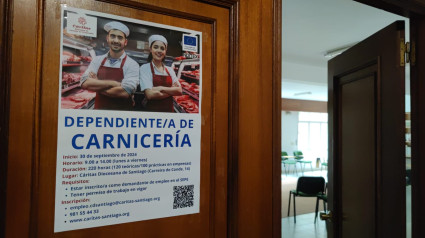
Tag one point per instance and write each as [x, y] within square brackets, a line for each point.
[82, 21]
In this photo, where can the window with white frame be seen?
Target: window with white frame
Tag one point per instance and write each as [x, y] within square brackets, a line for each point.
[313, 135]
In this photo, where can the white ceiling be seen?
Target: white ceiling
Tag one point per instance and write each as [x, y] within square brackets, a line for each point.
[310, 28]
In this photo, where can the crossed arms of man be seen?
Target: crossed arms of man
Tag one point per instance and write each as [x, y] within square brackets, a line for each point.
[109, 87]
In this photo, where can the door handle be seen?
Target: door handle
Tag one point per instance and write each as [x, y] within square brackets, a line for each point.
[326, 216]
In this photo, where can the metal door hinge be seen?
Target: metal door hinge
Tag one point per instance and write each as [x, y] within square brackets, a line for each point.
[407, 53]
[403, 52]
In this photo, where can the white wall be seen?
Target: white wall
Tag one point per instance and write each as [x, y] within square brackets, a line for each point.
[289, 131]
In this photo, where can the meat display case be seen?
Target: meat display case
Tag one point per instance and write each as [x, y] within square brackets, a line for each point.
[78, 98]
[188, 73]
[75, 58]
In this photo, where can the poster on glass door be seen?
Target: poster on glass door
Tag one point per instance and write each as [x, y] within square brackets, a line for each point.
[129, 120]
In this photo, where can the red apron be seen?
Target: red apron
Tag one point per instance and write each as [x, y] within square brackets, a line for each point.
[111, 103]
[162, 105]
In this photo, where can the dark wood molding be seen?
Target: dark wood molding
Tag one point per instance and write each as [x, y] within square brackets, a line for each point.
[415, 10]
[232, 170]
[232, 185]
[5, 64]
[162, 10]
[36, 143]
[417, 86]
[213, 155]
[229, 4]
[303, 105]
[407, 8]
[277, 105]
[236, 170]
[233, 151]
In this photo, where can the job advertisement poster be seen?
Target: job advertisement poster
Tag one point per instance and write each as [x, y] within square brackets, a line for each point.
[129, 121]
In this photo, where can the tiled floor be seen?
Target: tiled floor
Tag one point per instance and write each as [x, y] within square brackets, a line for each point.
[304, 228]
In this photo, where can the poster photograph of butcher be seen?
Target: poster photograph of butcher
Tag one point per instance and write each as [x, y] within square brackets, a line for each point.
[126, 65]
[133, 151]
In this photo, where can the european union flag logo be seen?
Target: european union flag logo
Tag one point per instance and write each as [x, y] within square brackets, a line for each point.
[189, 40]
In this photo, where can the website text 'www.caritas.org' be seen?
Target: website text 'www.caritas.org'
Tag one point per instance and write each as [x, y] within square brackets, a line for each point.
[93, 218]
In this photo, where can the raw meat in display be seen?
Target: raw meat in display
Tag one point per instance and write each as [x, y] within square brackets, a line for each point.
[192, 87]
[197, 73]
[70, 57]
[67, 53]
[77, 100]
[84, 94]
[187, 103]
[192, 74]
[67, 103]
[86, 58]
[69, 78]
[179, 58]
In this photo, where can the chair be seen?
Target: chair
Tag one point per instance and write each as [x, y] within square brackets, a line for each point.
[324, 198]
[286, 162]
[307, 187]
[299, 157]
[324, 164]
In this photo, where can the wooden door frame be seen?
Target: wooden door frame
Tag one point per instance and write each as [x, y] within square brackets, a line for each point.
[236, 174]
[417, 87]
[277, 120]
[415, 11]
[5, 53]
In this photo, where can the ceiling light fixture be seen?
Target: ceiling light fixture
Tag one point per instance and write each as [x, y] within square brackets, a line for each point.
[302, 93]
[332, 53]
